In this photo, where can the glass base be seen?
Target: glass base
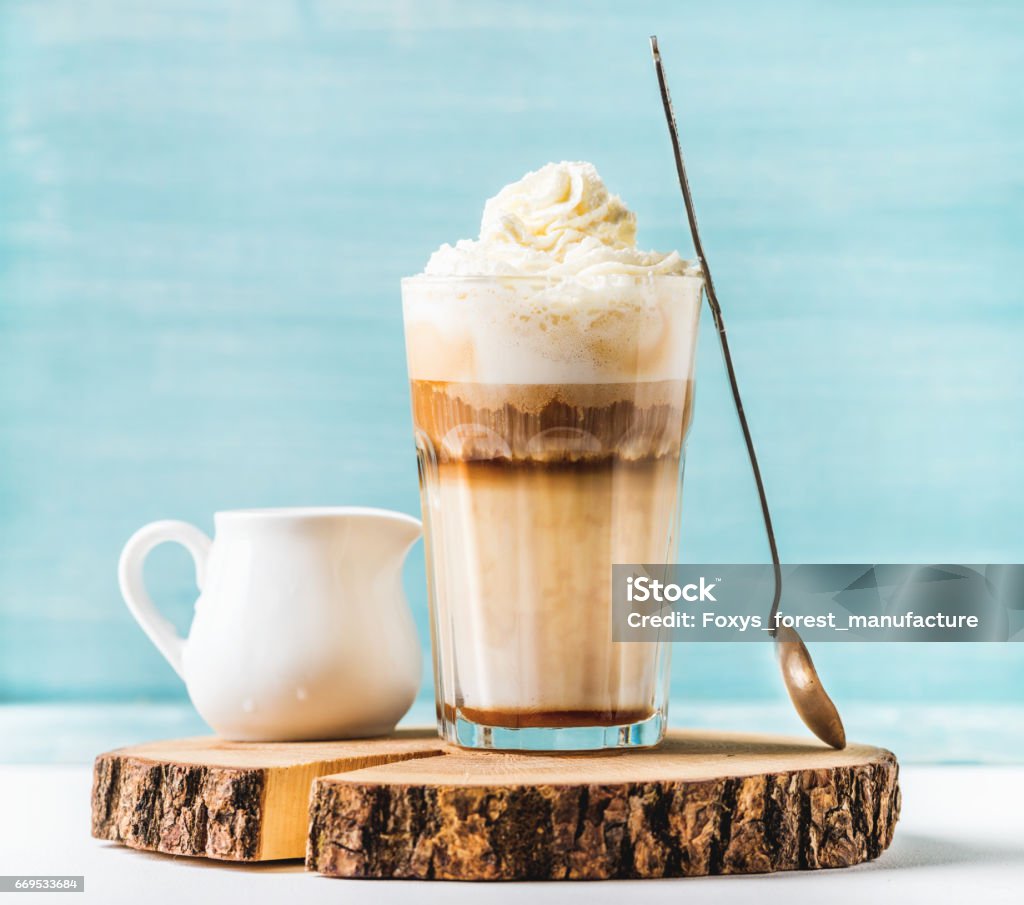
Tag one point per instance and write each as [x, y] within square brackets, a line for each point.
[467, 734]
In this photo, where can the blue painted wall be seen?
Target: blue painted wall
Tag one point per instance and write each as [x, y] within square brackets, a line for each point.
[205, 209]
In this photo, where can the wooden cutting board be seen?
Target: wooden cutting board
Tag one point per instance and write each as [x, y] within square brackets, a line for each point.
[701, 803]
[230, 800]
[411, 807]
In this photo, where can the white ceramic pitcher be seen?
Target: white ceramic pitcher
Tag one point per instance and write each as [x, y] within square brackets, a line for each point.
[301, 629]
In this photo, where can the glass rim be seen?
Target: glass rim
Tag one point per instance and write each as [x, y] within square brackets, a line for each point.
[550, 280]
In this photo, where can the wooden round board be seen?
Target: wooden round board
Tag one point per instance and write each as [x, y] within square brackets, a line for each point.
[235, 801]
[701, 803]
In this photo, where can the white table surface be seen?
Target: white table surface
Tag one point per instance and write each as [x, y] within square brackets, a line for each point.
[960, 839]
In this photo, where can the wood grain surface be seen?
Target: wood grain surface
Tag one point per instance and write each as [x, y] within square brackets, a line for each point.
[228, 800]
[701, 803]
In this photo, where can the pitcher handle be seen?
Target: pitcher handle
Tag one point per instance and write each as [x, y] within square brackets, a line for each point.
[160, 630]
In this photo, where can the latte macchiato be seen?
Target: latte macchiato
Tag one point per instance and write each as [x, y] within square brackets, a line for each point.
[551, 373]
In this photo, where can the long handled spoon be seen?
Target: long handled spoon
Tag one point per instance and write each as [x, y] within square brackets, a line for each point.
[808, 695]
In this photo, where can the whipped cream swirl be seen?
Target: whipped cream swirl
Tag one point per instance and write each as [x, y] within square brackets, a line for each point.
[558, 221]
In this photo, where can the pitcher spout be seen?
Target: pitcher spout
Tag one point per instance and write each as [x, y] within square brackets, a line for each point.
[385, 536]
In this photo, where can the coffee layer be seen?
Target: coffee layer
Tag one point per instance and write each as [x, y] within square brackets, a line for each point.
[551, 719]
[551, 424]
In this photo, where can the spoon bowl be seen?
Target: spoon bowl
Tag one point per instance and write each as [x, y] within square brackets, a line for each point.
[810, 700]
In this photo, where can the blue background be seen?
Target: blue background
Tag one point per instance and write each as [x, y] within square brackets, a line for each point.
[206, 207]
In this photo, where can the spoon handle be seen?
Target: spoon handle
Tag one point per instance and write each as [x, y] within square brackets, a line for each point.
[716, 313]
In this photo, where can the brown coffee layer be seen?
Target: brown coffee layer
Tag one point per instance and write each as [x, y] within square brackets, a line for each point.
[551, 719]
[552, 423]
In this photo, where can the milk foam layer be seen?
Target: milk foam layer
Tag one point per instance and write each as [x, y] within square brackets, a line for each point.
[553, 291]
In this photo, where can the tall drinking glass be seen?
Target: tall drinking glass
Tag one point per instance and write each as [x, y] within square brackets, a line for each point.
[551, 419]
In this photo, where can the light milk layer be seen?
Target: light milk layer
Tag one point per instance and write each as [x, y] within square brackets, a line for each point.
[522, 565]
[535, 331]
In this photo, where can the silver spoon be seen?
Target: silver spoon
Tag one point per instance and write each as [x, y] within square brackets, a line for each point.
[808, 695]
